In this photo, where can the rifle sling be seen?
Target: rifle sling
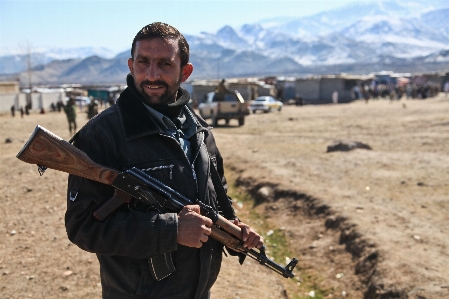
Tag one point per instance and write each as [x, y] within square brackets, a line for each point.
[226, 206]
[222, 198]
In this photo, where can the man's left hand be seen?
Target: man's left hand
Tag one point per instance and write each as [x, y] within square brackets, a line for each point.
[250, 238]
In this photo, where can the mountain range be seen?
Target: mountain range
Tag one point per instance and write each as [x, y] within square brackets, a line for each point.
[358, 39]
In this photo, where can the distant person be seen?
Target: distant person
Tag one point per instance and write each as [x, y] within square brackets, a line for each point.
[446, 88]
[298, 100]
[59, 106]
[111, 101]
[366, 93]
[81, 104]
[21, 112]
[221, 90]
[392, 92]
[70, 111]
[279, 94]
[335, 97]
[357, 92]
[92, 109]
[13, 110]
[409, 91]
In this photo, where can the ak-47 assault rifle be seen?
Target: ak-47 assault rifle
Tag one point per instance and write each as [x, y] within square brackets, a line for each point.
[50, 151]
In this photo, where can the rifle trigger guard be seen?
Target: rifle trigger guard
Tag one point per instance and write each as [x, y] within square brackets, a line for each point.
[41, 169]
[263, 257]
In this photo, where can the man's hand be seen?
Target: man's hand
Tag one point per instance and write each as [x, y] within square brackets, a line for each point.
[250, 238]
[193, 228]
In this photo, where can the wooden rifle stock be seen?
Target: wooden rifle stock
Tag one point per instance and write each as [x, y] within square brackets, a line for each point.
[50, 151]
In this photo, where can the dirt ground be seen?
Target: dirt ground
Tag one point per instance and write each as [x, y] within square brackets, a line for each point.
[363, 223]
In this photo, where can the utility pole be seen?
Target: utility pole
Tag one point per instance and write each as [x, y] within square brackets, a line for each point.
[26, 50]
[29, 65]
[218, 68]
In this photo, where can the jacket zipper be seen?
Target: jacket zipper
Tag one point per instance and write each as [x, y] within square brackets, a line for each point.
[162, 167]
[191, 165]
[194, 159]
[196, 156]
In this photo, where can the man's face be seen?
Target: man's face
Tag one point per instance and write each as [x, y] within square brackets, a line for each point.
[157, 71]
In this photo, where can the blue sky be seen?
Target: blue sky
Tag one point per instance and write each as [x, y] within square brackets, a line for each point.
[113, 24]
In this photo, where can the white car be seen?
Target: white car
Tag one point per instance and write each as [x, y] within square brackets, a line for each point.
[82, 101]
[265, 104]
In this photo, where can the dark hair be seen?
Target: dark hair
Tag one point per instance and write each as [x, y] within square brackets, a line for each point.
[164, 31]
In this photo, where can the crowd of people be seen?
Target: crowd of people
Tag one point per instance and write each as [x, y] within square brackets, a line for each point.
[70, 109]
[397, 91]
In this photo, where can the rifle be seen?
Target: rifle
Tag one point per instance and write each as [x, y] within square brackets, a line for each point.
[47, 150]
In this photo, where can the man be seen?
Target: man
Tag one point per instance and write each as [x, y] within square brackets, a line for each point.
[335, 97]
[92, 109]
[143, 253]
[70, 111]
[221, 87]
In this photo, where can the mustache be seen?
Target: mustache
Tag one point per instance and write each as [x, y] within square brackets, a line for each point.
[158, 82]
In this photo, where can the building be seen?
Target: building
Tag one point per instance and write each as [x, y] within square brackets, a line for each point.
[319, 90]
[8, 87]
[105, 95]
[38, 100]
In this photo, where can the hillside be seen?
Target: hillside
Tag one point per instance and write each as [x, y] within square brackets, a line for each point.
[358, 38]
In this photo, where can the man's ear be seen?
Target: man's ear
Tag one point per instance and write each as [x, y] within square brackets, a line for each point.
[130, 66]
[186, 72]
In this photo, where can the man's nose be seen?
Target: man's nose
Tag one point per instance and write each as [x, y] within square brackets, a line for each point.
[153, 72]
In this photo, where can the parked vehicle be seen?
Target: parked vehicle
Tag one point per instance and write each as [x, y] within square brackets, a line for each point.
[224, 106]
[265, 104]
[82, 101]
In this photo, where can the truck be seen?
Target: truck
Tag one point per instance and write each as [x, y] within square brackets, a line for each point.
[227, 106]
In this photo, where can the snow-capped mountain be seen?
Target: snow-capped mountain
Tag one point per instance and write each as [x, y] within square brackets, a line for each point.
[437, 19]
[312, 27]
[377, 29]
[397, 37]
[347, 39]
[12, 63]
[81, 52]
[369, 32]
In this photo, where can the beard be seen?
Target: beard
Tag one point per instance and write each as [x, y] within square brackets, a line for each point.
[168, 97]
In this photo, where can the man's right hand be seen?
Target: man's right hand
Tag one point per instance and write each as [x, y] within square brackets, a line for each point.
[193, 228]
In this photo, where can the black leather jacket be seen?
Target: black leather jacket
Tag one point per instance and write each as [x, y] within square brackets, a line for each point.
[125, 136]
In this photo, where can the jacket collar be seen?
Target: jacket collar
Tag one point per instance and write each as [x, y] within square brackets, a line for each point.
[135, 118]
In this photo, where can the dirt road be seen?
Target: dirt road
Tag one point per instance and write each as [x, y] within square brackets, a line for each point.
[363, 223]
[387, 206]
